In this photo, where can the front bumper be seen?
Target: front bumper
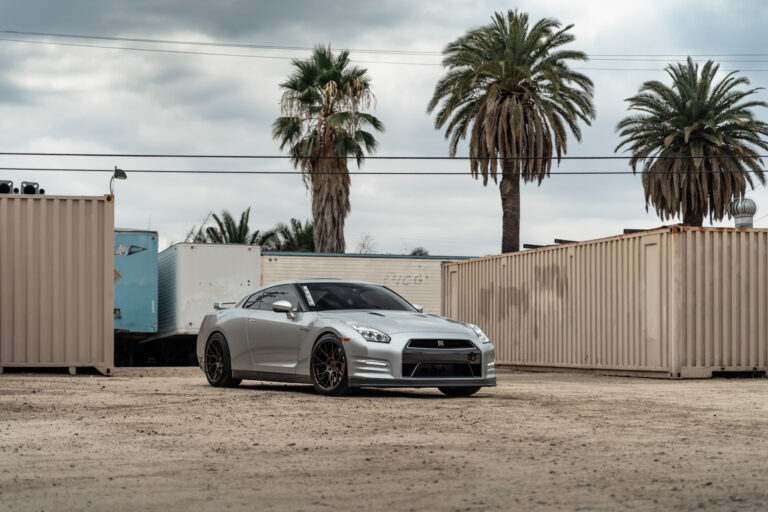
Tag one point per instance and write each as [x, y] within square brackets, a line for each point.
[399, 364]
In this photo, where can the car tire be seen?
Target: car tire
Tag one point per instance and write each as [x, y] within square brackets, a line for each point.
[459, 391]
[328, 366]
[217, 363]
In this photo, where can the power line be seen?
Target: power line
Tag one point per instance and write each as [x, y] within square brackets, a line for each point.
[649, 59]
[357, 50]
[683, 55]
[372, 157]
[369, 173]
[156, 50]
[215, 44]
[399, 63]
[214, 54]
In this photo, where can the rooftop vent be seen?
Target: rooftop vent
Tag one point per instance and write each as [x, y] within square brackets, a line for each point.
[743, 211]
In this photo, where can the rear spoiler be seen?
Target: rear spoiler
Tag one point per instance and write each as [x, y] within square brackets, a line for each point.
[223, 305]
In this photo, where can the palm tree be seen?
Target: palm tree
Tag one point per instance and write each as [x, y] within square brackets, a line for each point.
[321, 124]
[295, 236]
[510, 82]
[229, 231]
[696, 140]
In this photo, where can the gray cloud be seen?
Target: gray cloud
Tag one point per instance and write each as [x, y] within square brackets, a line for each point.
[11, 94]
[223, 19]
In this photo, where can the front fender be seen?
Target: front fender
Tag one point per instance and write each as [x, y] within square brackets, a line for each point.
[355, 347]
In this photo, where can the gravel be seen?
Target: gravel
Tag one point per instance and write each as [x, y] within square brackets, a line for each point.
[162, 439]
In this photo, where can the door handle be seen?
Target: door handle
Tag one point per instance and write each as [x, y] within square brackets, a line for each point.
[251, 320]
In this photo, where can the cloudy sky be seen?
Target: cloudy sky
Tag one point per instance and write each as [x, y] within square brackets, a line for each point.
[62, 98]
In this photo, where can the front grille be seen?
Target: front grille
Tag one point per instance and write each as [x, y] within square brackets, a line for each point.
[441, 370]
[440, 343]
[456, 358]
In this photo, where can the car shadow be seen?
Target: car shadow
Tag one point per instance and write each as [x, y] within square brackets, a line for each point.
[414, 393]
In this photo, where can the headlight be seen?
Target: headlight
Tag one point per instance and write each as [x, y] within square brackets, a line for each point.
[480, 334]
[369, 334]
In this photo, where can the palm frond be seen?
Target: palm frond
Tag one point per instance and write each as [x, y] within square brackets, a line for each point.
[510, 81]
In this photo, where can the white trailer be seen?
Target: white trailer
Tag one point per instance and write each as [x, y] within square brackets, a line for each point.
[192, 277]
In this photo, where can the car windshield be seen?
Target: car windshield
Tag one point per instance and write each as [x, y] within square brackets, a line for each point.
[330, 296]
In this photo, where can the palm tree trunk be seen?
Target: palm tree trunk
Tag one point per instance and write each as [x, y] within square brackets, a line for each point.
[693, 217]
[330, 204]
[510, 207]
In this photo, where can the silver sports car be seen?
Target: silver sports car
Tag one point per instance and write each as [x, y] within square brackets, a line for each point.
[339, 335]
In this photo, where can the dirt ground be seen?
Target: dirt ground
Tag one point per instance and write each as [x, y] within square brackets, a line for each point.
[162, 439]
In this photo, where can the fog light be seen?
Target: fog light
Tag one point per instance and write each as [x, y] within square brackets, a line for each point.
[6, 187]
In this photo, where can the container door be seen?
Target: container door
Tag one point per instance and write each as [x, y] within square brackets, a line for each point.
[135, 282]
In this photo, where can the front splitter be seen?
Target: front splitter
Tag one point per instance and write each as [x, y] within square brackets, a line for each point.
[357, 382]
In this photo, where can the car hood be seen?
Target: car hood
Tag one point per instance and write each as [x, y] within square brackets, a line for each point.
[393, 322]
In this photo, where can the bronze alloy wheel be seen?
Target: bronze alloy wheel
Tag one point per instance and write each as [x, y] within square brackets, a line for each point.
[329, 366]
[214, 360]
[218, 369]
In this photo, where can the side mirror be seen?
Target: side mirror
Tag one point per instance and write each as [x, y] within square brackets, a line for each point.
[223, 305]
[418, 308]
[283, 306]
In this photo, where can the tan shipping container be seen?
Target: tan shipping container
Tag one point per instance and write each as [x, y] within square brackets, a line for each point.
[415, 278]
[675, 302]
[56, 281]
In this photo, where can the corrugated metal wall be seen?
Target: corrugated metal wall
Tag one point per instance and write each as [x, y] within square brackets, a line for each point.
[416, 279]
[724, 301]
[662, 303]
[166, 290]
[56, 281]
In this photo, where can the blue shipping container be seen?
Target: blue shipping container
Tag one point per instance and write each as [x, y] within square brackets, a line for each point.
[135, 281]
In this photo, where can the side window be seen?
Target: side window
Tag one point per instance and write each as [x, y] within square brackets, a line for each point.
[254, 301]
[283, 292]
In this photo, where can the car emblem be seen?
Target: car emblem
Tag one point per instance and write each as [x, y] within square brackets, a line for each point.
[440, 343]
